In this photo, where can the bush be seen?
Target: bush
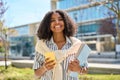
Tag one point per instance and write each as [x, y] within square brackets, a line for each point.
[13, 73]
[2, 49]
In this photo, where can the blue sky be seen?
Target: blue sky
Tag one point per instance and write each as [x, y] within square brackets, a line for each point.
[22, 12]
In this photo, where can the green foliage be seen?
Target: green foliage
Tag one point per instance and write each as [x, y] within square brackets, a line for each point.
[2, 49]
[13, 73]
[100, 77]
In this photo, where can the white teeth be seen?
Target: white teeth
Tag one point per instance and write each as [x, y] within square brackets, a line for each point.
[57, 26]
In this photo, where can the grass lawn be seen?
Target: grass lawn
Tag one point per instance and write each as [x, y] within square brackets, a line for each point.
[13, 73]
[100, 77]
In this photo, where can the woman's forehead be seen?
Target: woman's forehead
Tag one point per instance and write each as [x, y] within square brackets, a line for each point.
[56, 14]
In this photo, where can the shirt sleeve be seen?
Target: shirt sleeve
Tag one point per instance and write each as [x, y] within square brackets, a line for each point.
[38, 60]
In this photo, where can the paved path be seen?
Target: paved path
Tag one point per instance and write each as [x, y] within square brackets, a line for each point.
[2, 63]
[97, 65]
[103, 55]
[104, 60]
[99, 68]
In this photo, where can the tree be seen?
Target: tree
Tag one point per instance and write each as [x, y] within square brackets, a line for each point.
[3, 29]
[108, 27]
[3, 37]
[114, 6]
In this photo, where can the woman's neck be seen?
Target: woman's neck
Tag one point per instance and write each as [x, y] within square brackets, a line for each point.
[59, 38]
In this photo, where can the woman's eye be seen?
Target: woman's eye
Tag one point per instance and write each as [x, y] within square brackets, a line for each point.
[52, 20]
[60, 19]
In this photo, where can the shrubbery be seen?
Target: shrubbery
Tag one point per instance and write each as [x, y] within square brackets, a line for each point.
[13, 73]
[2, 49]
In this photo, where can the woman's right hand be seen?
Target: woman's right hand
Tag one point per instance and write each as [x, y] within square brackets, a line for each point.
[49, 64]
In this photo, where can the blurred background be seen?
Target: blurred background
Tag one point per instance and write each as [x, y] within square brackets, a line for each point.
[98, 24]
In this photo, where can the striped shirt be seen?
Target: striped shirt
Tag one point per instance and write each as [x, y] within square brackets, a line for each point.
[39, 60]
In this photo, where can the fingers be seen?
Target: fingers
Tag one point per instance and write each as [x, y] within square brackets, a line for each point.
[49, 64]
[48, 61]
[83, 70]
[73, 65]
[75, 62]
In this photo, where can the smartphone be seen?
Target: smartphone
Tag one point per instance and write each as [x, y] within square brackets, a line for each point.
[50, 55]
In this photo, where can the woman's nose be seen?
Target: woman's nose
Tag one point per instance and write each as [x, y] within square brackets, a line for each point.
[57, 21]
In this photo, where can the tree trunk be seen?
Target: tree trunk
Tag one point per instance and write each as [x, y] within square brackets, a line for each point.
[5, 54]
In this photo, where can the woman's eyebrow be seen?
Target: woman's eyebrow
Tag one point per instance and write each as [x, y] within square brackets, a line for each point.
[57, 17]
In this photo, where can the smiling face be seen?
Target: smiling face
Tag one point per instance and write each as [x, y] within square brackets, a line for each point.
[57, 23]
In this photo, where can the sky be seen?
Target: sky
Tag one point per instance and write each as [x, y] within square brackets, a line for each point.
[22, 12]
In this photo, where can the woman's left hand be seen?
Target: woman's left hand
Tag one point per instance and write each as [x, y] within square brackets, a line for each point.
[74, 66]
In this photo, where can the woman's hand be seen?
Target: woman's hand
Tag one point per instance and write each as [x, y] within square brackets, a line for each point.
[74, 66]
[49, 64]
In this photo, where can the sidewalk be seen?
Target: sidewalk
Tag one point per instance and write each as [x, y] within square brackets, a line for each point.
[103, 55]
[2, 63]
[104, 60]
[95, 65]
[99, 68]
[103, 63]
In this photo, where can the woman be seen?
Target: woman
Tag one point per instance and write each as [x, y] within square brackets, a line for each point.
[55, 34]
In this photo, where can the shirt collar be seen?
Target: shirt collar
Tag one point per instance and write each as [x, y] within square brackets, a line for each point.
[68, 40]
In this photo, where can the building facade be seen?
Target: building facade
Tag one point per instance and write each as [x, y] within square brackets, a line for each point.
[22, 40]
[88, 16]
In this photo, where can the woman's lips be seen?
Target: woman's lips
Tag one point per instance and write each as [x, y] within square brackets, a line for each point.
[57, 27]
